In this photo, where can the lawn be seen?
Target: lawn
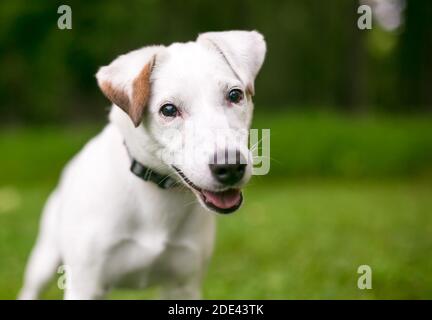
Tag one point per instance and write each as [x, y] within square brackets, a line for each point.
[303, 230]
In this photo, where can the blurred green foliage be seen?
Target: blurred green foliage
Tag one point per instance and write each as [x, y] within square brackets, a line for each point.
[316, 54]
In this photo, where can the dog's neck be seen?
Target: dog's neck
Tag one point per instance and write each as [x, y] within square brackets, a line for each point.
[145, 153]
[164, 181]
[140, 145]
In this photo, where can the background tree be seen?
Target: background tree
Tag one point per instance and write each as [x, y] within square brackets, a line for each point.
[415, 57]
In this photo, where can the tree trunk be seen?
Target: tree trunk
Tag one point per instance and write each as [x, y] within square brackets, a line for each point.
[415, 57]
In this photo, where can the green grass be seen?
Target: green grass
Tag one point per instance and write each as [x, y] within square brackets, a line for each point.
[297, 239]
[304, 229]
[326, 144]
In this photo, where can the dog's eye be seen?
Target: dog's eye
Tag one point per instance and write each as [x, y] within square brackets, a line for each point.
[235, 95]
[169, 110]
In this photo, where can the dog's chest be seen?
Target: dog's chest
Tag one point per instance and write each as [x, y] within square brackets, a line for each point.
[152, 246]
[132, 265]
[138, 262]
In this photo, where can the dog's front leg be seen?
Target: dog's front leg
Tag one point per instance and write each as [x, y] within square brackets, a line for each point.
[84, 283]
[87, 292]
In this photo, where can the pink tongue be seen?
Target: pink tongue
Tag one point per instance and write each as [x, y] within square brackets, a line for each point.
[224, 200]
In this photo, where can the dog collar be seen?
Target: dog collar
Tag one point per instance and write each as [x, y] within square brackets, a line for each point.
[148, 174]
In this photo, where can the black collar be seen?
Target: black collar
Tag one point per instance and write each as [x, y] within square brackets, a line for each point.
[147, 174]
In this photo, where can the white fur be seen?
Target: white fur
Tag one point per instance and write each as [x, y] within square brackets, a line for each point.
[112, 229]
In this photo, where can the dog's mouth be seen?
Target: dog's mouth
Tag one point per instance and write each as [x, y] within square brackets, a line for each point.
[225, 202]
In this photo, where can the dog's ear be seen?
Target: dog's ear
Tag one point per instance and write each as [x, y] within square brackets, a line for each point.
[126, 81]
[244, 51]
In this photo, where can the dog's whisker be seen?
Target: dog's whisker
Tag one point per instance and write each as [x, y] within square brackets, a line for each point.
[256, 144]
[191, 203]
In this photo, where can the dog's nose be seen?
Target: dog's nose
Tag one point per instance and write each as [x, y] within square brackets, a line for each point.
[229, 173]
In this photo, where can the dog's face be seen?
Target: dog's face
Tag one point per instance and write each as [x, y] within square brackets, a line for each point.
[195, 101]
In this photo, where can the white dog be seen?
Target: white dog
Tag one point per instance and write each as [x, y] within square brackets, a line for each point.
[122, 216]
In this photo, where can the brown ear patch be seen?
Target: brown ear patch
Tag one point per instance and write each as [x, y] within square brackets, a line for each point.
[140, 93]
[134, 107]
[250, 89]
[118, 97]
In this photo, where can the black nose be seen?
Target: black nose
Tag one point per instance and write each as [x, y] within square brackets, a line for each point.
[227, 173]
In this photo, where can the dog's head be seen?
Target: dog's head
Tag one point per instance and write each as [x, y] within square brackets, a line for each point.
[191, 104]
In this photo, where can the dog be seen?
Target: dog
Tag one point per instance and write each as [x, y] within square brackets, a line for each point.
[122, 216]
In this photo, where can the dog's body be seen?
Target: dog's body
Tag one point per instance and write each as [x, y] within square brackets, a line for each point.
[131, 234]
[108, 227]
